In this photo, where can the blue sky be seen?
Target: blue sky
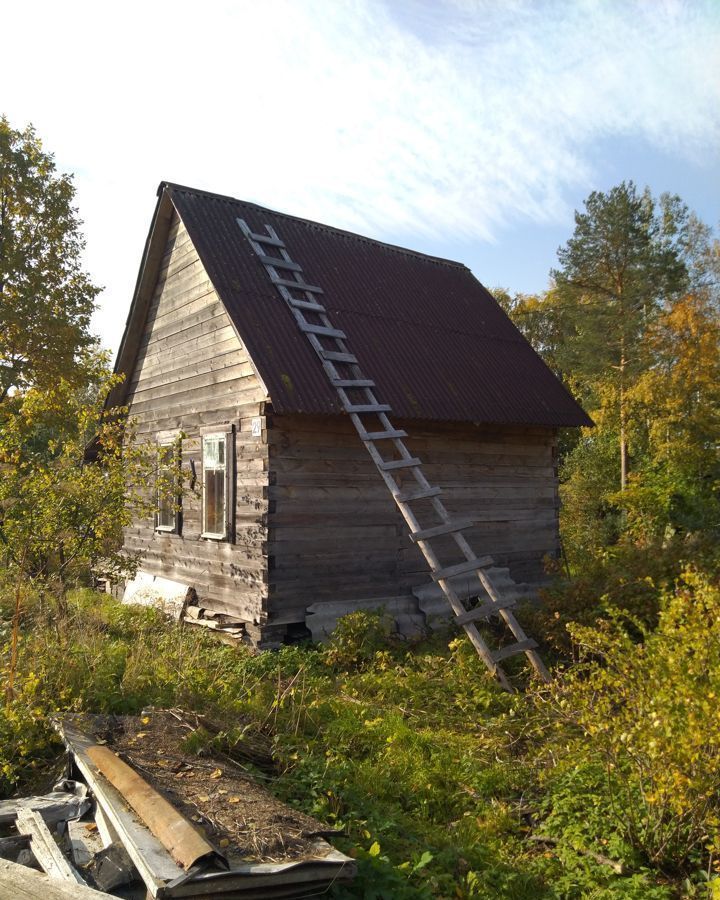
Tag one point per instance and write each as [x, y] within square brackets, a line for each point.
[465, 128]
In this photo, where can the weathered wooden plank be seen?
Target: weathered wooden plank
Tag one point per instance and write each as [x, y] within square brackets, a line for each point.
[171, 289]
[227, 395]
[44, 847]
[513, 649]
[463, 568]
[483, 611]
[211, 310]
[191, 301]
[234, 371]
[221, 342]
[229, 354]
[204, 328]
[21, 883]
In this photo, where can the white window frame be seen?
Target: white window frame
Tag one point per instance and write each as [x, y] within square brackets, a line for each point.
[226, 434]
[169, 441]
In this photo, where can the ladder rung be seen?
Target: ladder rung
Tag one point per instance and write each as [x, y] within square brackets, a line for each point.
[438, 530]
[306, 304]
[298, 285]
[368, 408]
[279, 263]
[512, 649]
[352, 382]
[470, 565]
[265, 239]
[483, 611]
[422, 494]
[391, 434]
[322, 330]
[399, 464]
[335, 356]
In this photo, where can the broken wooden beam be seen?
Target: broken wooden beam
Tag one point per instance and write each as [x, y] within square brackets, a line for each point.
[45, 848]
[21, 883]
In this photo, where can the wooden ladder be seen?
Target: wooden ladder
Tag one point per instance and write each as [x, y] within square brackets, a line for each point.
[357, 396]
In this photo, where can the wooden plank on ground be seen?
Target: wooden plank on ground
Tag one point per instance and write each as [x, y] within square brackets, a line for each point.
[22, 883]
[45, 848]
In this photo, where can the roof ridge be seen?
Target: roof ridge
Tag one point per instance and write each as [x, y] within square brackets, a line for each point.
[406, 251]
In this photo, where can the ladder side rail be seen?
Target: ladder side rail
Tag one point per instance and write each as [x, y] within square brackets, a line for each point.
[455, 602]
[496, 603]
[506, 614]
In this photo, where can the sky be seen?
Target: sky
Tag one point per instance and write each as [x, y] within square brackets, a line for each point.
[469, 129]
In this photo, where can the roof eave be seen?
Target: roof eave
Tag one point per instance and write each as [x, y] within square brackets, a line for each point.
[147, 277]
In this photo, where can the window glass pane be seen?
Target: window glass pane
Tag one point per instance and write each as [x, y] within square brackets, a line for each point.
[166, 498]
[214, 501]
[214, 451]
[214, 484]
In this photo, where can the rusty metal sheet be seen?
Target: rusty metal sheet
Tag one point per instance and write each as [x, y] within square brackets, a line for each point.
[181, 839]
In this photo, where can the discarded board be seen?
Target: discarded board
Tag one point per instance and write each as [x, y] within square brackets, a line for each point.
[165, 878]
[45, 848]
[21, 883]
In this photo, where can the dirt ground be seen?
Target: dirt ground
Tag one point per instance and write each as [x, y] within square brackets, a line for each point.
[237, 813]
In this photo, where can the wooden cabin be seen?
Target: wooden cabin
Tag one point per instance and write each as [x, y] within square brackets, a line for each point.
[285, 510]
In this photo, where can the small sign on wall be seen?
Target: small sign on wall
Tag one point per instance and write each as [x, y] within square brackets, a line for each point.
[256, 427]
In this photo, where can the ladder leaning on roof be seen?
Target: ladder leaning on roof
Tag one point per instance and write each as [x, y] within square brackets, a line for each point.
[345, 375]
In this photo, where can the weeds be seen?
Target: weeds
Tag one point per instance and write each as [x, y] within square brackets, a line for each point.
[436, 777]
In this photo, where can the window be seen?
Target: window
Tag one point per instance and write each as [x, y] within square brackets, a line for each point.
[216, 483]
[168, 488]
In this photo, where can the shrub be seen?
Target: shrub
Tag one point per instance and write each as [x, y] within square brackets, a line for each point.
[357, 637]
[637, 752]
[634, 577]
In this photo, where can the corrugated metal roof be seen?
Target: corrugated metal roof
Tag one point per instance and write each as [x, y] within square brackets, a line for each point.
[424, 329]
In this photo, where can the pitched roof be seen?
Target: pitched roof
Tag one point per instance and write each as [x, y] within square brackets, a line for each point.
[433, 339]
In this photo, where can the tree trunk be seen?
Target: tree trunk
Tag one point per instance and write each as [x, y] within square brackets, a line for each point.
[623, 418]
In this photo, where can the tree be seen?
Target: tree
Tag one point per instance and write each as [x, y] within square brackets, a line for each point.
[541, 319]
[622, 265]
[46, 299]
[676, 403]
[61, 517]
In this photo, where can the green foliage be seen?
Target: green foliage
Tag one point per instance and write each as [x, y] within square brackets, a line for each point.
[633, 577]
[623, 261]
[632, 325]
[357, 638]
[61, 517]
[435, 775]
[46, 299]
[637, 745]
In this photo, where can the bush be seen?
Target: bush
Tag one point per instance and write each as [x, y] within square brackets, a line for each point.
[637, 746]
[357, 637]
[634, 577]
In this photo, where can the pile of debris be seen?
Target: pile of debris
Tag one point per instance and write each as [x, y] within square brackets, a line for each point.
[141, 815]
[222, 624]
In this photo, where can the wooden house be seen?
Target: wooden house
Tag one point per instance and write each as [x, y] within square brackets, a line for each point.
[286, 510]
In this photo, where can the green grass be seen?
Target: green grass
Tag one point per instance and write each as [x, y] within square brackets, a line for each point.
[436, 777]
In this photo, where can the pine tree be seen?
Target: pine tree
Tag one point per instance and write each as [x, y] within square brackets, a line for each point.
[621, 267]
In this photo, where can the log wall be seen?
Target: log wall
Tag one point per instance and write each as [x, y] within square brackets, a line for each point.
[192, 371]
[313, 519]
[336, 534]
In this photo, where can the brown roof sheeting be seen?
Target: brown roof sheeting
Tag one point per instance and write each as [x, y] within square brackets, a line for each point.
[432, 338]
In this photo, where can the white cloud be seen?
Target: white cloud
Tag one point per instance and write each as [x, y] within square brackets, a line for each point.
[393, 119]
